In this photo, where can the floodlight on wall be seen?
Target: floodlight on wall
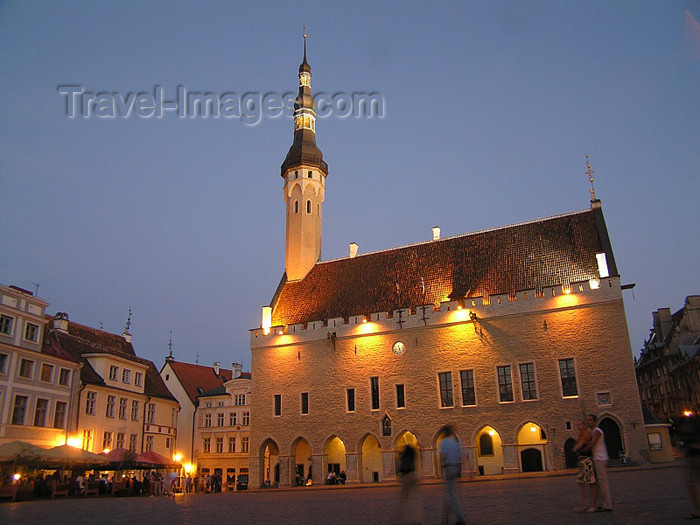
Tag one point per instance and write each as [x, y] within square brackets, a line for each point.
[594, 283]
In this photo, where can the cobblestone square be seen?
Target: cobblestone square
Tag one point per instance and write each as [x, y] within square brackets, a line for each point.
[640, 496]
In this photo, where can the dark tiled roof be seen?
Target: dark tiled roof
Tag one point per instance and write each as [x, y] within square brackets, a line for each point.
[534, 255]
[81, 340]
[200, 379]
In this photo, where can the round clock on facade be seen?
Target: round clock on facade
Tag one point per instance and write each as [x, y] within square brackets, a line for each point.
[398, 348]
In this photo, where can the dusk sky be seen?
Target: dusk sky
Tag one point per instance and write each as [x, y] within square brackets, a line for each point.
[489, 110]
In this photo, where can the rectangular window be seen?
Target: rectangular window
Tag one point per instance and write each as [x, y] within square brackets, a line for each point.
[527, 381]
[120, 439]
[3, 363]
[87, 439]
[111, 400]
[134, 410]
[445, 381]
[46, 373]
[304, 402]
[59, 416]
[64, 377]
[113, 373]
[42, 407]
[207, 420]
[31, 332]
[219, 445]
[351, 399]
[568, 378]
[6, 324]
[151, 413]
[206, 445]
[400, 397]
[149, 443]
[505, 384]
[239, 399]
[374, 388]
[138, 378]
[654, 439]
[107, 441]
[19, 410]
[133, 442]
[278, 404]
[90, 399]
[231, 445]
[220, 420]
[246, 419]
[122, 407]
[168, 442]
[26, 368]
[126, 376]
[244, 444]
[468, 392]
[232, 417]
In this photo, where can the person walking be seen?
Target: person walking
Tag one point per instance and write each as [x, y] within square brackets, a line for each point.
[410, 508]
[585, 479]
[451, 461]
[600, 462]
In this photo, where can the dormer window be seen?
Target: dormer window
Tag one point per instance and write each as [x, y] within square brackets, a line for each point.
[31, 332]
[138, 379]
[113, 373]
[126, 376]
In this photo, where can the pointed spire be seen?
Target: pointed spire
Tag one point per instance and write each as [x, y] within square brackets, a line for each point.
[170, 357]
[125, 334]
[304, 67]
[595, 203]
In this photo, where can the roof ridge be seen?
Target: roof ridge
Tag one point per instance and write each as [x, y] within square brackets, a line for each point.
[461, 235]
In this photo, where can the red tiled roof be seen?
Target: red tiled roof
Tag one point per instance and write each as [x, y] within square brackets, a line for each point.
[533, 255]
[195, 377]
[81, 340]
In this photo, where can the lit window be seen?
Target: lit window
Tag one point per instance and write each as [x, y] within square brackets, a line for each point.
[468, 392]
[31, 332]
[87, 439]
[505, 384]
[107, 441]
[445, 380]
[6, 324]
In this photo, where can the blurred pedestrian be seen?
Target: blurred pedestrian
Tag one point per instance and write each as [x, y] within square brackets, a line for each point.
[410, 509]
[451, 461]
[600, 462]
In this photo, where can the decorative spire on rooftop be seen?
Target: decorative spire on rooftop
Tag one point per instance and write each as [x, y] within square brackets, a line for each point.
[595, 203]
[125, 334]
[170, 357]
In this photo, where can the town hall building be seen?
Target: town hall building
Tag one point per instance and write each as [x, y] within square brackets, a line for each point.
[509, 335]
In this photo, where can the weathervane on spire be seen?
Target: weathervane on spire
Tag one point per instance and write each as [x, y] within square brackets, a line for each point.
[304, 43]
[590, 173]
[128, 322]
[170, 344]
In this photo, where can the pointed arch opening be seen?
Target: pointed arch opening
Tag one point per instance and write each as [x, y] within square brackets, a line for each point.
[532, 442]
[370, 460]
[269, 463]
[303, 467]
[402, 440]
[489, 451]
[613, 437]
[335, 456]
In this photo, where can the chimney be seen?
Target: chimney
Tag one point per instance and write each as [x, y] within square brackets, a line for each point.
[60, 321]
[217, 364]
[236, 370]
[353, 249]
[436, 233]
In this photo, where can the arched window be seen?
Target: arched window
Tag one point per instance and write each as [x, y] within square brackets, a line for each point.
[296, 206]
[308, 206]
[485, 445]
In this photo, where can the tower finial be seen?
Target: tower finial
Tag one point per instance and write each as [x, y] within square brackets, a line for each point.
[304, 43]
[589, 171]
[170, 344]
[125, 334]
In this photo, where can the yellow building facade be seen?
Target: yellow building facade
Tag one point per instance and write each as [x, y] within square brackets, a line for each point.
[508, 335]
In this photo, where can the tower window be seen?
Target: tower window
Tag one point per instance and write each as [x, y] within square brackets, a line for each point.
[296, 206]
[308, 206]
[311, 174]
[296, 174]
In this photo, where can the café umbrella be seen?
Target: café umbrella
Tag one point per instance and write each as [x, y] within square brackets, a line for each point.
[67, 456]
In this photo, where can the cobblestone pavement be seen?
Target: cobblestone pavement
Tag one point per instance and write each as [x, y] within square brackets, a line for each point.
[641, 496]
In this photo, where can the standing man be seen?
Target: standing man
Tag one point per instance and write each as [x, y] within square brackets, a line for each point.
[600, 461]
[451, 460]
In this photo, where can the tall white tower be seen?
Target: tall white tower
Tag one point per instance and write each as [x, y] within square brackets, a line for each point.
[304, 173]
